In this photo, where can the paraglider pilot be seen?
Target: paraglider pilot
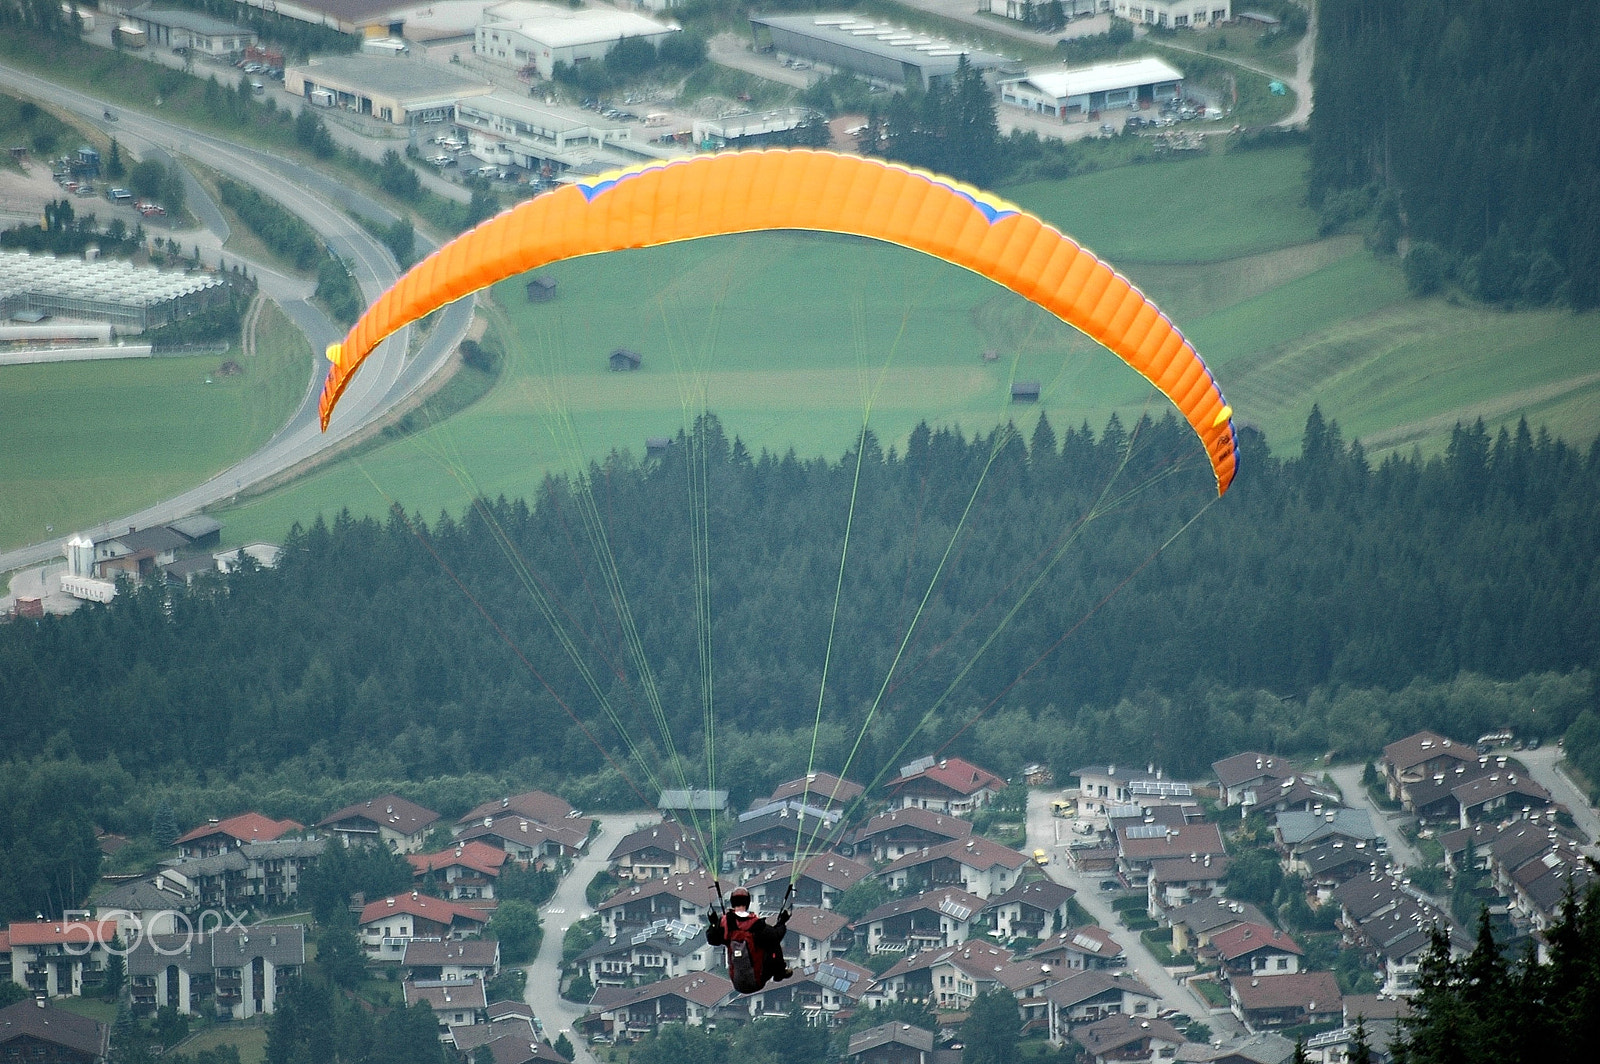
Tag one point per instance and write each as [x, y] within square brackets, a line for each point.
[755, 947]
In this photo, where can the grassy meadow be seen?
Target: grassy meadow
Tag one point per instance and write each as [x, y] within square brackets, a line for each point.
[87, 441]
[795, 339]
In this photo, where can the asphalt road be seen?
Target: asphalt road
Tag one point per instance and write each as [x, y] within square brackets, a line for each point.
[389, 376]
[1544, 765]
[543, 993]
[1047, 832]
[1348, 779]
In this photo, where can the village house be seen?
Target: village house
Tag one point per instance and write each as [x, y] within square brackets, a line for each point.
[1103, 786]
[1299, 830]
[1420, 757]
[1174, 881]
[39, 1031]
[152, 905]
[1286, 1000]
[817, 935]
[1332, 862]
[822, 789]
[60, 958]
[455, 1002]
[461, 873]
[936, 919]
[891, 1043]
[217, 836]
[777, 833]
[685, 898]
[510, 1038]
[657, 851]
[948, 785]
[529, 842]
[1128, 1038]
[1140, 844]
[1241, 776]
[1035, 909]
[451, 960]
[950, 978]
[630, 1012]
[538, 806]
[1304, 793]
[821, 883]
[1256, 950]
[1090, 996]
[391, 821]
[389, 924]
[890, 836]
[692, 803]
[662, 951]
[822, 992]
[977, 865]
[253, 875]
[1193, 925]
[1079, 949]
[230, 972]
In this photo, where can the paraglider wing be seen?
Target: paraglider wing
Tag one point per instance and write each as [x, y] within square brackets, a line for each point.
[740, 192]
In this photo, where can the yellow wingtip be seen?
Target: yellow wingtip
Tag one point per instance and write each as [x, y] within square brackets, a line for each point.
[1223, 417]
[335, 352]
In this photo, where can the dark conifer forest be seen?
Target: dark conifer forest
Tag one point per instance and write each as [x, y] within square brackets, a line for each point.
[1326, 603]
[1480, 117]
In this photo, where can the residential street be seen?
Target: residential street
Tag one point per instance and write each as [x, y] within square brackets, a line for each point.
[569, 905]
[1544, 765]
[1044, 832]
[1348, 779]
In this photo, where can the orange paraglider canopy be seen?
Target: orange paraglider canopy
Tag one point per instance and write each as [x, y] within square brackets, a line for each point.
[741, 192]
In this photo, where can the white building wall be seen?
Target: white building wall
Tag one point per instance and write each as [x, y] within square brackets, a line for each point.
[1175, 13]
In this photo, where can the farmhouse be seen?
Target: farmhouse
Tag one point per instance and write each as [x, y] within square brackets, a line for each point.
[40, 1031]
[1076, 92]
[535, 37]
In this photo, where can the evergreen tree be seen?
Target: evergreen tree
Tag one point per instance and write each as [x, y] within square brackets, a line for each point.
[991, 1030]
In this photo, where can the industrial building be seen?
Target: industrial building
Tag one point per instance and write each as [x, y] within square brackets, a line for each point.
[401, 91]
[1019, 9]
[892, 56]
[511, 131]
[133, 298]
[1080, 92]
[748, 130]
[191, 30]
[535, 36]
[370, 18]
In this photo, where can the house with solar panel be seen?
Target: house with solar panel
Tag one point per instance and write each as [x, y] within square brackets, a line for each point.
[820, 991]
[933, 920]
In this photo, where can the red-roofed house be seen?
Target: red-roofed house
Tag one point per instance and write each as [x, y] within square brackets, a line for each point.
[219, 836]
[388, 924]
[951, 785]
[461, 872]
[1255, 949]
[60, 957]
[1140, 844]
[530, 842]
[390, 821]
[975, 864]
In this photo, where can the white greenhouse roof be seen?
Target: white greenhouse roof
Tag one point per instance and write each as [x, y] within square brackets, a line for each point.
[102, 280]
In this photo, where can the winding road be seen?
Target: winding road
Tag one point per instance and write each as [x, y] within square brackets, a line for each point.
[393, 373]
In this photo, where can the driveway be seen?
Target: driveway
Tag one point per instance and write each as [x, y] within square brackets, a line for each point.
[1544, 765]
[1388, 824]
[569, 905]
[1045, 833]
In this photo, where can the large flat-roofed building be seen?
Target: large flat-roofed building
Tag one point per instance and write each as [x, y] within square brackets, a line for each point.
[1074, 93]
[893, 56]
[405, 92]
[529, 35]
[189, 29]
[1022, 10]
[509, 130]
[1177, 14]
[370, 18]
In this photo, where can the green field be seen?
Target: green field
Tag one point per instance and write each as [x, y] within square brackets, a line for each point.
[795, 338]
[87, 441]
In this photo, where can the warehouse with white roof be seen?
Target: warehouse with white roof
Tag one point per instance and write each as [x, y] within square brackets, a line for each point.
[1075, 93]
[891, 55]
[403, 92]
[527, 35]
